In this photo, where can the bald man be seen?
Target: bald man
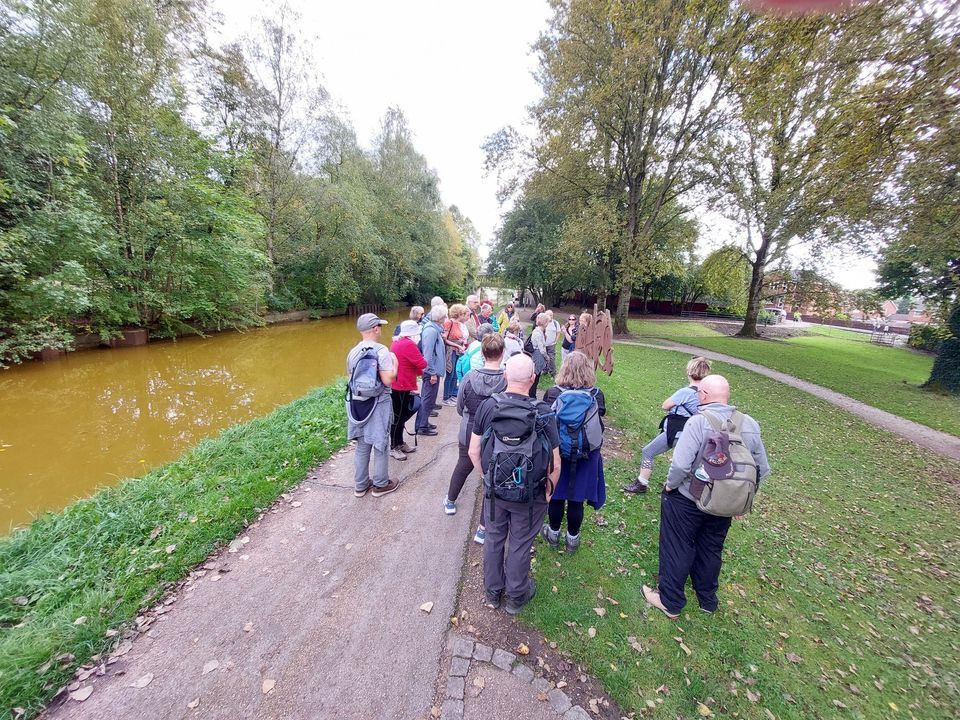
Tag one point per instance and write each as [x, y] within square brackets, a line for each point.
[511, 527]
[691, 541]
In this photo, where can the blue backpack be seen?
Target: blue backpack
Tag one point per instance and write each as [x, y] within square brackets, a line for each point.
[463, 364]
[578, 418]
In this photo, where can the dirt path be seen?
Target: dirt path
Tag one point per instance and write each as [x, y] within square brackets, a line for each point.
[320, 602]
[935, 440]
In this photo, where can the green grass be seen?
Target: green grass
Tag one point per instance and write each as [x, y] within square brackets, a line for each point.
[882, 376]
[106, 557]
[842, 587]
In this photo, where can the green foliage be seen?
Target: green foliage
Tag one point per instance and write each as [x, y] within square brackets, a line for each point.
[105, 557]
[927, 337]
[525, 246]
[830, 578]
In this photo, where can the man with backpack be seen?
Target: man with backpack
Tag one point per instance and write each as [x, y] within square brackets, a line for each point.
[371, 369]
[717, 466]
[515, 446]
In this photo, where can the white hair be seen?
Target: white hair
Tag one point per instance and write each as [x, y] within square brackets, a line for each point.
[438, 313]
[436, 300]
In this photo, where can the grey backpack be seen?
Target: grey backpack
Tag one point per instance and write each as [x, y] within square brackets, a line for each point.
[725, 481]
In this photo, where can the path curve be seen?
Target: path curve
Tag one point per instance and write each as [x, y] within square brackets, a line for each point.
[939, 442]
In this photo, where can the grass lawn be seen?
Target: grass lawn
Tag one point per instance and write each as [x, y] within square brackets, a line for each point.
[879, 375]
[839, 595]
[72, 576]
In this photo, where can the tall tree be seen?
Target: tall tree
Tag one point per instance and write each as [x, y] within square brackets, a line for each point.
[630, 87]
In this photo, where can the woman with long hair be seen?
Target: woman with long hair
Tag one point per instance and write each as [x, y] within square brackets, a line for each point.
[581, 480]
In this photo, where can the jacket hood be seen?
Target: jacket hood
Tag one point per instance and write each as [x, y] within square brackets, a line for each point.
[486, 382]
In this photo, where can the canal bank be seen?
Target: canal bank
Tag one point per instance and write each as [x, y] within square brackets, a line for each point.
[72, 579]
[95, 417]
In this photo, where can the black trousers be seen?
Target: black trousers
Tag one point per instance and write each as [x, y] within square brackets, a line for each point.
[691, 543]
[574, 515]
[401, 413]
[461, 472]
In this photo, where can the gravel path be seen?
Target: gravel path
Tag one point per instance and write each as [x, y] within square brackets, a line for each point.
[935, 440]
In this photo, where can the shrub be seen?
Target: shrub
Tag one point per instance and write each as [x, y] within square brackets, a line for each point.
[927, 337]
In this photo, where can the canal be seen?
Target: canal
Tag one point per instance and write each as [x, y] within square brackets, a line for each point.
[70, 426]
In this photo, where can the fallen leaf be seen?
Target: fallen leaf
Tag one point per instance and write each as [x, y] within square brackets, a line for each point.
[267, 686]
[427, 607]
[82, 620]
[209, 666]
[111, 633]
[479, 682]
[684, 647]
[123, 648]
[522, 649]
[562, 684]
[794, 658]
[554, 589]
[703, 710]
[542, 696]
[752, 696]
[296, 503]
[82, 694]
[592, 632]
[170, 549]
[20, 600]
[435, 711]
[193, 703]
[248, 627]
[600, 611]
[142, 681]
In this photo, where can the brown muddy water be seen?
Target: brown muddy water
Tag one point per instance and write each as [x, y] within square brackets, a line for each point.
[70, 426]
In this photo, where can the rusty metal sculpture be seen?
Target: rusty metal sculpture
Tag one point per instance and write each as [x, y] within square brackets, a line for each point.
[595, 340]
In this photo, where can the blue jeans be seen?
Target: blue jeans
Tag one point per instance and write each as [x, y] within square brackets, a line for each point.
[450, 383]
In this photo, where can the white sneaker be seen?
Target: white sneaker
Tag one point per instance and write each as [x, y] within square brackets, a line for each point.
[396, 454]
[450, 402]
[449, 507]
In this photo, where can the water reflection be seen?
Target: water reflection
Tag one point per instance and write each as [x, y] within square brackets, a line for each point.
[70, 426]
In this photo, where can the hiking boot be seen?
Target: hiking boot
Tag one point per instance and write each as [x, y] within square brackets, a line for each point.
[573, 542]
[386, 489]
[437, 406]
[450, 402]
[397, 454]
[429, 432]
[435, 413]
[449, 507]
[636, 487]
[361, 493]
[407, 449]
[515, 606]
[492, 599]
[551, 536]
[480, 535]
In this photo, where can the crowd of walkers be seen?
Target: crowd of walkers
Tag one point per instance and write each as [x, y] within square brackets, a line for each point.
[540, 459]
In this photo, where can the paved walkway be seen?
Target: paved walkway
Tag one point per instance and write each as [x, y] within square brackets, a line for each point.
[935, 440]
[318, 611]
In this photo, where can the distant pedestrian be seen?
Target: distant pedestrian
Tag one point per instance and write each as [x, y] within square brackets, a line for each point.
[411, 365]
[506, 316]
[680, 407]
[512, 340]
[473, 316]
[476, 387]
[539, 357]
[371, 370]
[569, 342]
[551, 333]
[431, 340]
[486, 316]
[455, 338]
[797, 317]
[515, 446]
[691, 540]
[578, 404]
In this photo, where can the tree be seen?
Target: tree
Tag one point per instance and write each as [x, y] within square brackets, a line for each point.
[630, 88]
[803, 151]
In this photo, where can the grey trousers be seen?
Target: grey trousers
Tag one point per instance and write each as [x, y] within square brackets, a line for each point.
[428, 397]
[361, 466]
[552, 359]
[655, 447]
[506, 549]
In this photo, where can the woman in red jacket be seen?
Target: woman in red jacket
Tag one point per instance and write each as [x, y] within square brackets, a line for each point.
[411, 364]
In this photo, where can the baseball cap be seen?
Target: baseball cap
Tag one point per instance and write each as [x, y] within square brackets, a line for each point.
[716, 456]
[368, 321]
[409, 328]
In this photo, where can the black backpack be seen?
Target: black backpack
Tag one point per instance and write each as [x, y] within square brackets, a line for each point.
[528, 344]
[516, 452]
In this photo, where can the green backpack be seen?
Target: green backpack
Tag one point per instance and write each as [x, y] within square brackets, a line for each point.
[726, 490]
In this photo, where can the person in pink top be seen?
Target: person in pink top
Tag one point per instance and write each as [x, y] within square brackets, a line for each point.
[410, 365]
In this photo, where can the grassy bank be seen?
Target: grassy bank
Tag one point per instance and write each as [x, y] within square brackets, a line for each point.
[106, 557]
[885, 377]
[838, 596]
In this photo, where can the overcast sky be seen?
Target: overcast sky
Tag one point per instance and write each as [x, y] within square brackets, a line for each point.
[458, 70]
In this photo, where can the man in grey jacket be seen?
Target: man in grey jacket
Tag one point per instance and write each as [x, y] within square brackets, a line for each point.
[691, 541]
[431, 338]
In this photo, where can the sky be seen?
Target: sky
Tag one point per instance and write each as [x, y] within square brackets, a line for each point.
[459, 70]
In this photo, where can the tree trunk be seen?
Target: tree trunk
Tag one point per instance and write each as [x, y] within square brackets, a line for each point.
[623, 310]
[749, 328]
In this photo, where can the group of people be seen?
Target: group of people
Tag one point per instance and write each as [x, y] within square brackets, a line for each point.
[540, 459]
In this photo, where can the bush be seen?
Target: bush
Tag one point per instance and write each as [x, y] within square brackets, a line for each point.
[927, 337]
